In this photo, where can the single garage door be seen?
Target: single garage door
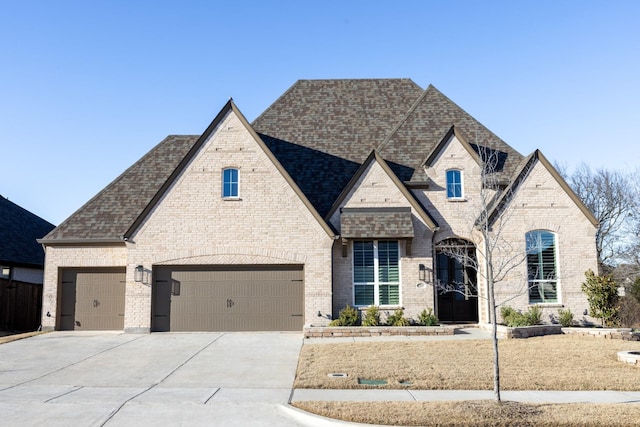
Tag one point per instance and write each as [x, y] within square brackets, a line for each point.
[228, 298]
[92, 299]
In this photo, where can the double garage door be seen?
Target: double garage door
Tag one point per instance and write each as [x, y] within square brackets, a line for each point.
[228, 298]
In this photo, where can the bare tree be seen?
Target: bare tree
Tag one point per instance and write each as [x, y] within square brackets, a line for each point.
[497, 257]
[612, 197]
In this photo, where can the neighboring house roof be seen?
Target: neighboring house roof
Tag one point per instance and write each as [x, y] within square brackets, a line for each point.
[19, 230]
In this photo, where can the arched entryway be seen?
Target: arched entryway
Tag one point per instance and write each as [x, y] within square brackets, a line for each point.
[456, 280]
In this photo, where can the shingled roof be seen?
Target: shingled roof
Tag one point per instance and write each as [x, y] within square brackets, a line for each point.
[19, 230]
[428, 121]
[320, 131]
[111, 212]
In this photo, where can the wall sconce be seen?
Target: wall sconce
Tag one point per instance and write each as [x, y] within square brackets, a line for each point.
[138, 274]
[422, 273]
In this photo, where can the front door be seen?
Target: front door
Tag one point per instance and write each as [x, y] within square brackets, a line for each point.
[457, 288]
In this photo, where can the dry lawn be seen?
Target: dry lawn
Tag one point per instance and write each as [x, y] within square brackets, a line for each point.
[477, 413]
[555, 362]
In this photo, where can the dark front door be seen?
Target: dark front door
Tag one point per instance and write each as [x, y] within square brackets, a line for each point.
[457, 290]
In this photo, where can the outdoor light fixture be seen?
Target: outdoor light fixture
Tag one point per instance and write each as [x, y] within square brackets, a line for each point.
[138, 273]
[422, 276]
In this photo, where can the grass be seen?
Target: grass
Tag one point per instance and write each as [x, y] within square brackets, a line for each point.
[478, 413]
[554, 362]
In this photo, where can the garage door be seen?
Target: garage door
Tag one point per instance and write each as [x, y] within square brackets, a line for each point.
[228, 298]
[92, 299]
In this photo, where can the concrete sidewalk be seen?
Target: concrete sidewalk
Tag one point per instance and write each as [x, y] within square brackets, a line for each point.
[539, 396]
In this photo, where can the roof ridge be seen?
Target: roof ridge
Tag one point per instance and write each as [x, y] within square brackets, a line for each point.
[404, 119]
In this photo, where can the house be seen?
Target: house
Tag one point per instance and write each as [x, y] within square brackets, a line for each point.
[21, 267]
[342, 192]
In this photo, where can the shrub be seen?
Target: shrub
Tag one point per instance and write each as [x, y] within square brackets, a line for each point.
[397, 318]
[533, 315]
[371, 316]
[602, 294]
[565, 317]
[348, 317]
[427, 318]
[514, 318]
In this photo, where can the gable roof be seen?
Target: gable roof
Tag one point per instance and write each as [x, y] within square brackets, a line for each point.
[502, 199]
[422, 129]
[318, 134]
[19, 230]
[323, 130]
[115, 213]
[375, 157]
[440, 146]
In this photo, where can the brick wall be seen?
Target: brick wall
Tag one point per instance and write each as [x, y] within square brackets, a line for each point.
[376, 189]
[268, 224]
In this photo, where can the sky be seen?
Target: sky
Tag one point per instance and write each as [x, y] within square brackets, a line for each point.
[88, 87]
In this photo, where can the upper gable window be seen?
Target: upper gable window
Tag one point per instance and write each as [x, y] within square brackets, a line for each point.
[230, 183]
[454, 184]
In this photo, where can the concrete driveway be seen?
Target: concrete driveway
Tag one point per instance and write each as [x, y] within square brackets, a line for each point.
[116, 379]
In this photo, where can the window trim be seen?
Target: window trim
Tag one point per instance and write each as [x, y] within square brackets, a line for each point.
[376, 274]
[556, 267]
[231, 182]
[460, 184]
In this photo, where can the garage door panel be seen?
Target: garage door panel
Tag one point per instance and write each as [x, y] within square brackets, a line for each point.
[93, 299]
[231, 298]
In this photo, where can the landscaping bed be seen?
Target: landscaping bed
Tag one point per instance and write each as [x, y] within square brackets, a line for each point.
[375, 331]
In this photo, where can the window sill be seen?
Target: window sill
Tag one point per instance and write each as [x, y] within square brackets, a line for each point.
[457, 199]
[232, 199]
[547, 304]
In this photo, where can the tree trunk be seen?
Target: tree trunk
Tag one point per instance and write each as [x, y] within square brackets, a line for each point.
[494, 322]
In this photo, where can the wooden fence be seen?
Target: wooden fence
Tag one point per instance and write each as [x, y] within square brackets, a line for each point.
[20, 306]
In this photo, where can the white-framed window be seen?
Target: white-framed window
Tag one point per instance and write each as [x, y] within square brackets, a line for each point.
[542, 268]
[376, 272]
[454, 184]
[230, 183]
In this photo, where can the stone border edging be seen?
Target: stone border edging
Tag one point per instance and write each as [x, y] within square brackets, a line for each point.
[375, 331]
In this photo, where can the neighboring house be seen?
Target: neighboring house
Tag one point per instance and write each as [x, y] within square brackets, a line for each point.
[343, 192]
[21, 267]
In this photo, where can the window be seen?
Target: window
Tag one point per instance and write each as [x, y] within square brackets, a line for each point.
[454, 184]
[541, 267]
[230, 183]
[5, 272]
[376, 273]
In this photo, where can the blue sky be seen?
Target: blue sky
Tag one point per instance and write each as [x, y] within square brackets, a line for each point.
[88, 87]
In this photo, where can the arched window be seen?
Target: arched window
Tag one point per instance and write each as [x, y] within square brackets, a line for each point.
[542, 267]
[454, 184]
[230, 183]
